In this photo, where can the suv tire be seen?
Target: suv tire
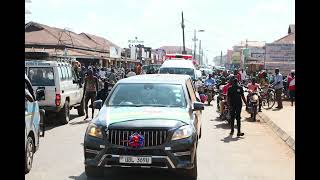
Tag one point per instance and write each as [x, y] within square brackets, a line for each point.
[94, 171]
[81, 110]
[193, 173]
[64, 114]
[29, 155]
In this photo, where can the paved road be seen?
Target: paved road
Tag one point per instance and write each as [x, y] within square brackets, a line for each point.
[260, 154]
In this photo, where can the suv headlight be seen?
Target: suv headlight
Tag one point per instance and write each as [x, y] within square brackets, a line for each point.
[94, 131]
[182, 132]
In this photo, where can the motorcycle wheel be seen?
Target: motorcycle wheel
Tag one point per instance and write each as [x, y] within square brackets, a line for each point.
[254, 113]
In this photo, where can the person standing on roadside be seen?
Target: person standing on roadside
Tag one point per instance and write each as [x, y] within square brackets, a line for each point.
[131, 73]
[90, 91]
[278, 86]
[292, 87]
[243, 75]
[235, 94]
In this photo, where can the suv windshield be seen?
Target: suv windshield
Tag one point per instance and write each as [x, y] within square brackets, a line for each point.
[174, 70]
[41, 76]
[158, 95]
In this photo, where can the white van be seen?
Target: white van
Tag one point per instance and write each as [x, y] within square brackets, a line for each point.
[178, 66]
[63, 90]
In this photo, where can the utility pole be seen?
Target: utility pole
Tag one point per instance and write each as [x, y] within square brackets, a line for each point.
[200, 60]
[182, 26]
[195, 45]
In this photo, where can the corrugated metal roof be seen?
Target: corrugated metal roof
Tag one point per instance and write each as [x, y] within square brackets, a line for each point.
[36, 33]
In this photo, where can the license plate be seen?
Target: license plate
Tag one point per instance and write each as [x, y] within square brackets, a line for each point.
[135, 160]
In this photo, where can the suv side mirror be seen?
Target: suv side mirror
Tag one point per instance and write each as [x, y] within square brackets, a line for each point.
[40, 95]
[97, 104]
[197, 106]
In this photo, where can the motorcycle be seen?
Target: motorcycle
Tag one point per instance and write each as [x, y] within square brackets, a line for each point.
[253, 103]
[225, 115]
[209, 92]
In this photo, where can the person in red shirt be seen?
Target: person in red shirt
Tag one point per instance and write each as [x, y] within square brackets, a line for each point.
[292, 87]
[225, 92]
[254, 88]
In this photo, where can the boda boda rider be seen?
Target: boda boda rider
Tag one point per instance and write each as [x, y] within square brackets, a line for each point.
[253, 88]
[225, 93]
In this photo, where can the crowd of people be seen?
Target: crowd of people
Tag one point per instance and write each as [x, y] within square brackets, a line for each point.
[98, 80]
[232, 84]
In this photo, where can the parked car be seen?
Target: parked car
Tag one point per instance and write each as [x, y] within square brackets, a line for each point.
[157, 124]
[62, 89]
[34, 123]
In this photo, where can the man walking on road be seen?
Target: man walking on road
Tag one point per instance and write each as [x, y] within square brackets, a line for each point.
[278, 85]
[235, 94]
[90, 90]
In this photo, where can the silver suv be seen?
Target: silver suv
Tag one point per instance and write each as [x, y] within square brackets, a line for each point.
[62, 88]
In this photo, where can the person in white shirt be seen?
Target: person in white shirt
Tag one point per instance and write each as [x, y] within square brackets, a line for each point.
[243, 75]
[131, 73]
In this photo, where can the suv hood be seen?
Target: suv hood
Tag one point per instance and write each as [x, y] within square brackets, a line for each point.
[113, 115]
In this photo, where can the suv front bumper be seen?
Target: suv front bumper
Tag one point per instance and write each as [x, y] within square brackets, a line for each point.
[171, 155]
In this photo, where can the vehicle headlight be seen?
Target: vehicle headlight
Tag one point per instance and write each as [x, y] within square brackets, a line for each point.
[182, 132]
[94, 131]
[255, 97]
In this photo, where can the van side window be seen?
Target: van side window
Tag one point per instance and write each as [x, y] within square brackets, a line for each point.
[69, 72]
[64, 73]
[61, 74]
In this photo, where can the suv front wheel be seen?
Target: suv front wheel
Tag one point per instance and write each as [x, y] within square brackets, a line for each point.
[193, 173]
[94, 171]
[64, 114]
[29, 154]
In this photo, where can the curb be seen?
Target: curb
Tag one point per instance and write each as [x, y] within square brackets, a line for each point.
[281, 133]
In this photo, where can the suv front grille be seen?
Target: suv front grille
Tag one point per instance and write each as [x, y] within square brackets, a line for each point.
[151, 137]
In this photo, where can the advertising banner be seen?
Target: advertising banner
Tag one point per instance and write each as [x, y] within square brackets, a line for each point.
[236, 57]
[133, 53]
[115, 52]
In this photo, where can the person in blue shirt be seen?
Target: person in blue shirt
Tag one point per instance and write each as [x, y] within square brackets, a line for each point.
[210, 81]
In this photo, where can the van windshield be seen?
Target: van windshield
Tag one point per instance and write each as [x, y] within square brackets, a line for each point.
[41, 76]
[174, 70]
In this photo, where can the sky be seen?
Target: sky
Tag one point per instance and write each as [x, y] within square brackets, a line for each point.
[158, 22]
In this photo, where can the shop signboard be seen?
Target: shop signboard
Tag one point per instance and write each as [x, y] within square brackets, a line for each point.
[236, 57]
[280, 52]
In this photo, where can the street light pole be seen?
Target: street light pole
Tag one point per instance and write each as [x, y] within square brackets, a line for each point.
[195, 45]
[200, 61]
[182, 25]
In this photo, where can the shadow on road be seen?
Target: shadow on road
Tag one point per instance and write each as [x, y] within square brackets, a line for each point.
[125, 174]
[53, 122]
[230, 138]
[80, 122]
[223, 126]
